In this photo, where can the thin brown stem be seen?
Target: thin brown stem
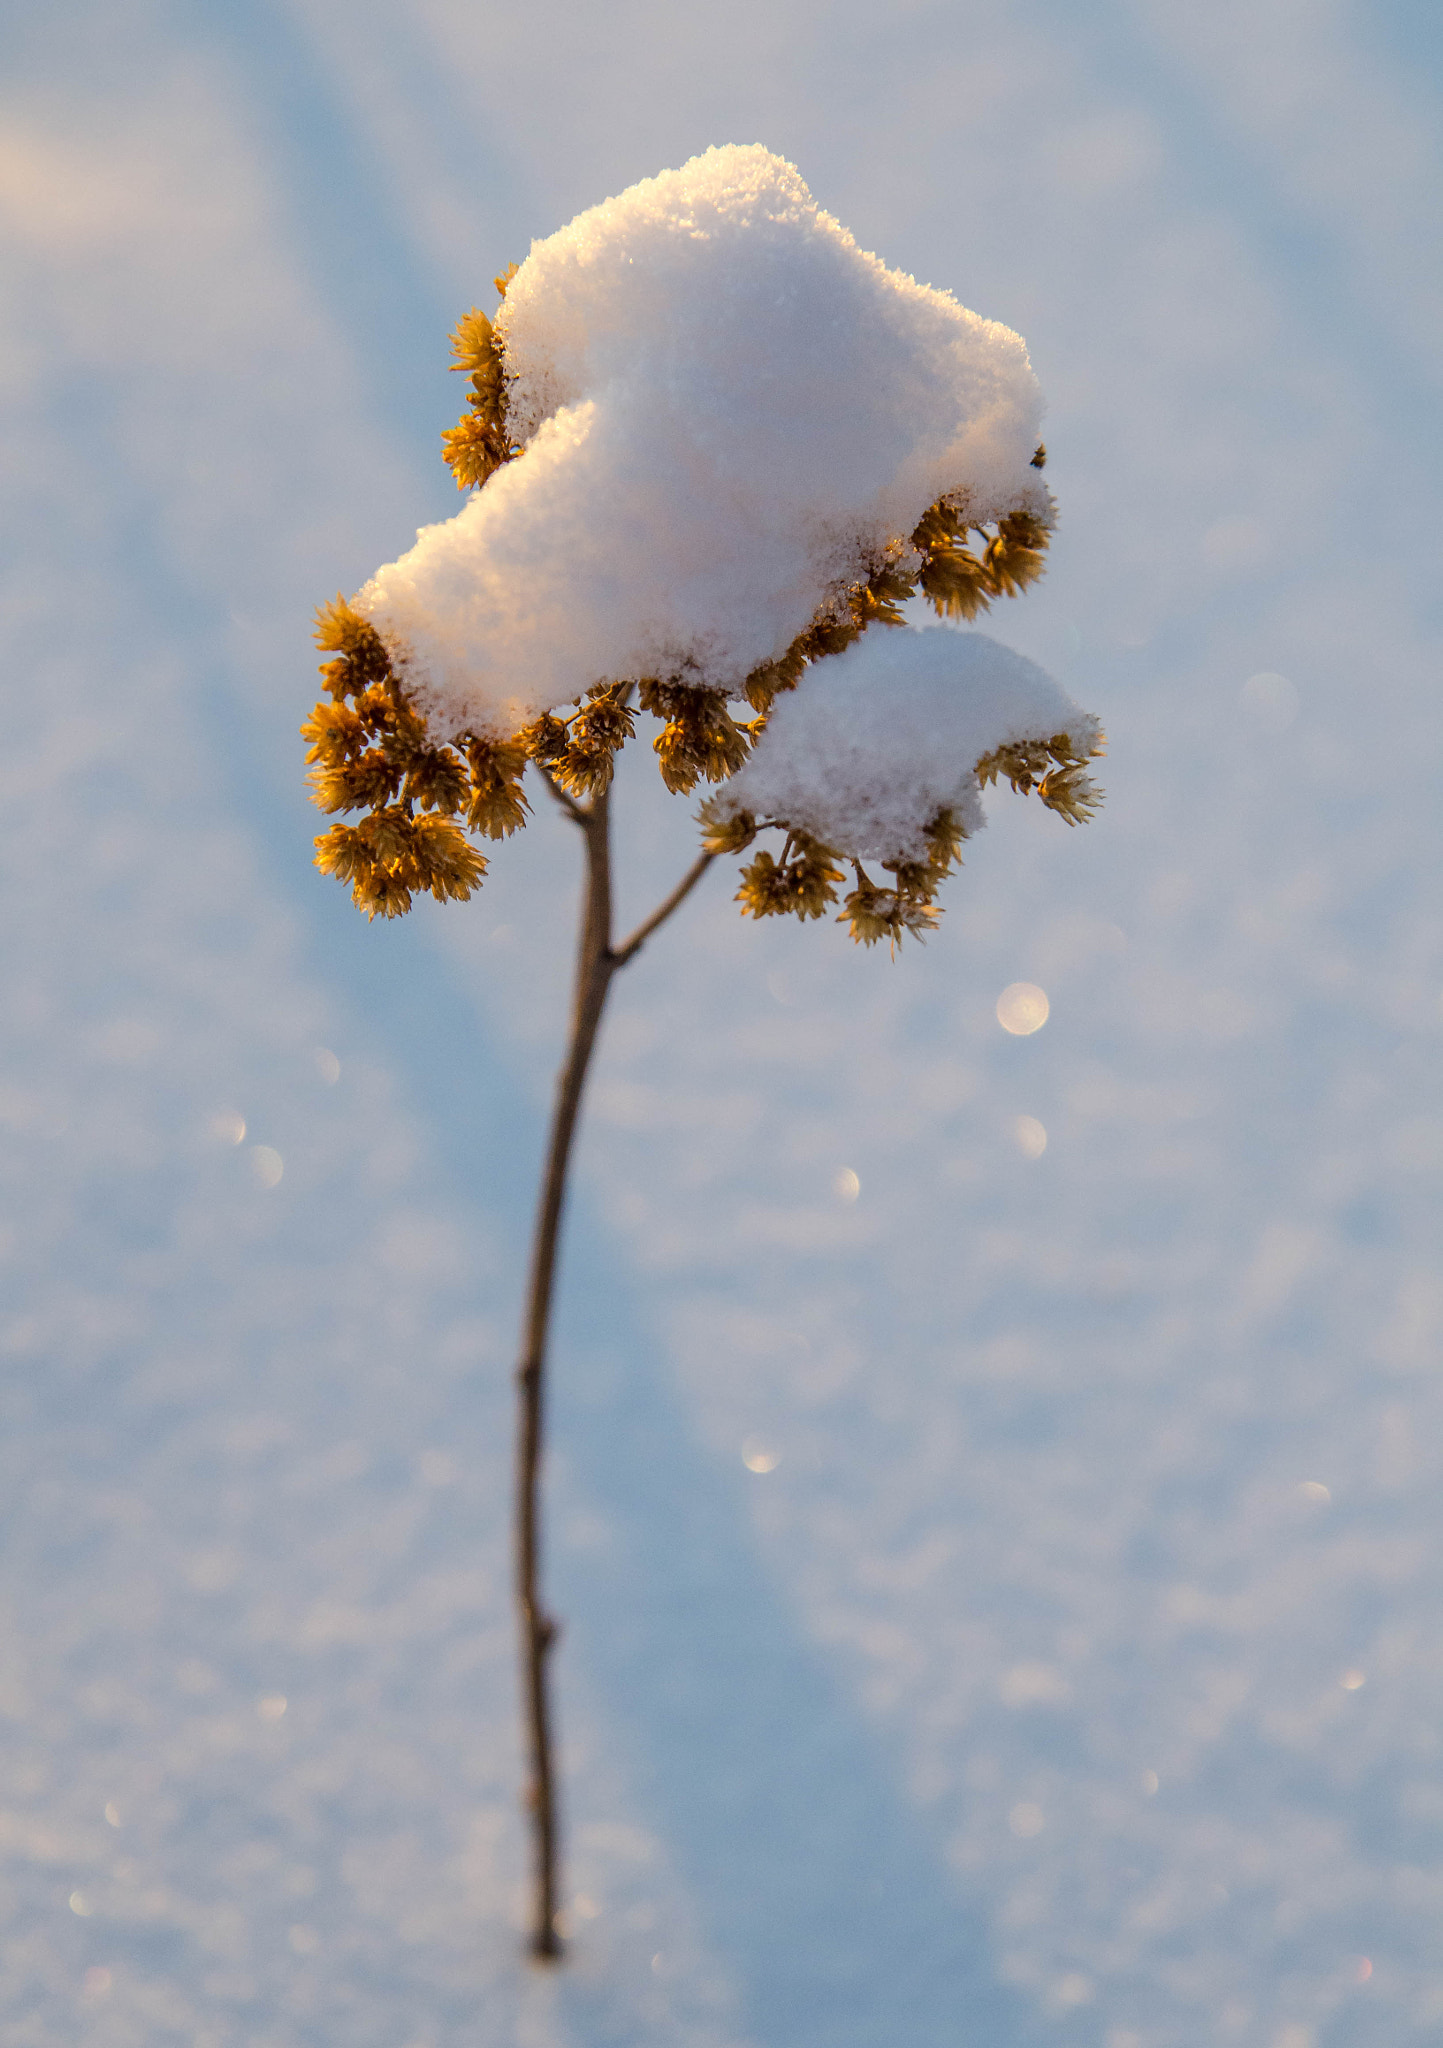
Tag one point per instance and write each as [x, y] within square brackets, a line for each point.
[632, 946]
[564, 797]
[596, 962]
[538, 1629]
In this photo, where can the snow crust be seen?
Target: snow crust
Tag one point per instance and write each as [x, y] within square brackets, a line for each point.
[727, 409]
[874, 741]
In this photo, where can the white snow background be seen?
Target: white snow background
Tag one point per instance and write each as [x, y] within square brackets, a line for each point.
[1002, 1581]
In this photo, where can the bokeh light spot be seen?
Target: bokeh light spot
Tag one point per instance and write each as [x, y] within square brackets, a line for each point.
[267, 1165]
[1270, 700]
[1030, 1137]
[1023, 1008]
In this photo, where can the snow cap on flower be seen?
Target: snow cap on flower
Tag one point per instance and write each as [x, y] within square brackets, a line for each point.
[873, 744]
[726, 412]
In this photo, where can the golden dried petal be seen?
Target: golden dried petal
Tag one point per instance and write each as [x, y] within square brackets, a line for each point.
[335, 732]
[945, 836]
[545, 739]
[498, 813]
[1072, 793]
[474, 449]
[446, 862]
[364, 661]
[389, 833]
[386, 893]
[1018, 555]
[955, 583]
[801, 884]
[700, 739]
[814, 877]
[342, 852]
[1054, 767]
[596, 733]
[725, 833]
[473, 345]
[436, 780]
[764, 891]
[355, 785]
[879, 600]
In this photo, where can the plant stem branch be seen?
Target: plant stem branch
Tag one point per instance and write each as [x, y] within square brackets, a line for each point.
[596, 962]
[632, 946]
[564, 797]
[594, 969]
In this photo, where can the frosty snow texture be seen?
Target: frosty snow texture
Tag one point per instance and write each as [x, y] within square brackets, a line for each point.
[727, 412]
[874, 742]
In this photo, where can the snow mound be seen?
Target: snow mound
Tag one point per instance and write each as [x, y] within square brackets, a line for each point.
[873, 742]
[727, 411]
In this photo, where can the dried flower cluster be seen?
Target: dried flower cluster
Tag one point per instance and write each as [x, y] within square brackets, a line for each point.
[370, 751]
[697, 439]
[373, 751]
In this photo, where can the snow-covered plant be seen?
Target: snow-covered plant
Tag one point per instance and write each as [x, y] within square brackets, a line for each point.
[713, 449]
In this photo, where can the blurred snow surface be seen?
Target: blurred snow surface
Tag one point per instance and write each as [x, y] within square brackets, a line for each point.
[1001, 1575]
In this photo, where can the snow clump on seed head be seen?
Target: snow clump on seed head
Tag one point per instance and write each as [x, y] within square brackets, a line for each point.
[727, 412]
[873, 744]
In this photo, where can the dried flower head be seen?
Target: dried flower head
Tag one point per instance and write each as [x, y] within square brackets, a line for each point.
[388, 747]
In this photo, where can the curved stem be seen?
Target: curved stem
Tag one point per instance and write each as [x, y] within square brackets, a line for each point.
[594, 969]
[596, 963]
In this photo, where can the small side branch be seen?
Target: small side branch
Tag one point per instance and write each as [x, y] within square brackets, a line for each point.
[632, 946]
